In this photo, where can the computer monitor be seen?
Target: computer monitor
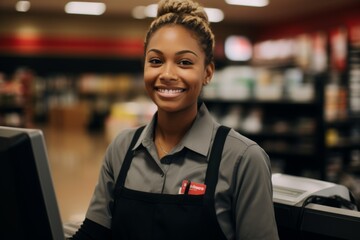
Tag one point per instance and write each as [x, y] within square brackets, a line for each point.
[28, 203]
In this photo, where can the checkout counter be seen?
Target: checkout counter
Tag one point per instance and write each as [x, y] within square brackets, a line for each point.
[311, 209]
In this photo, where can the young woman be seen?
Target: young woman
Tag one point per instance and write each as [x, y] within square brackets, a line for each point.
[183, 176]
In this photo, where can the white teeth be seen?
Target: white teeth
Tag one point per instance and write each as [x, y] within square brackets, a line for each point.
[170, 91]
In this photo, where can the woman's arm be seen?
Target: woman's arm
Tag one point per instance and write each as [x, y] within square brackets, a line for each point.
[254, 210]
[90, 230]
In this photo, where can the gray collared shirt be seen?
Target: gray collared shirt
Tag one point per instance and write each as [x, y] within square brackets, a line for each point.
[243, 195]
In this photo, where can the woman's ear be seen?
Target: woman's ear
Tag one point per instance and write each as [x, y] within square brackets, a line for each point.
[209, 72]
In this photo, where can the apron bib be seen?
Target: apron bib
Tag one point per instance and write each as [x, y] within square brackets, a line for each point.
[153, 216]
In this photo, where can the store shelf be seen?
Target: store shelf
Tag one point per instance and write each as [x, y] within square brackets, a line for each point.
[343, 123]
[276, 135]
[253, 101]
[11, 108]
[345, 146]
[289, 131]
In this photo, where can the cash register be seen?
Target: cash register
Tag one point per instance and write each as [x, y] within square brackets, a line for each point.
[312, 209]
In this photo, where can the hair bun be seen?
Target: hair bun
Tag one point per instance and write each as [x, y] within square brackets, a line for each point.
[189, 7]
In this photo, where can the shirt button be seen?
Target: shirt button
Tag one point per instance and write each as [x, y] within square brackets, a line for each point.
[162, 175]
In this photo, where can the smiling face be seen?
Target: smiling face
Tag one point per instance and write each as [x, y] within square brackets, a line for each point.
[174, 70]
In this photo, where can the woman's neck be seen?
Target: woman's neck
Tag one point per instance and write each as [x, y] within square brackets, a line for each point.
[171, 128]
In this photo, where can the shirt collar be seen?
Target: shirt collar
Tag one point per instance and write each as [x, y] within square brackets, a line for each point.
[197, 139]
[199, 136]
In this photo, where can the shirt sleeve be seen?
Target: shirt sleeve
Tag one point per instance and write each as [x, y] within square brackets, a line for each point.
[100, 206]
[101, 203]
[254, 211]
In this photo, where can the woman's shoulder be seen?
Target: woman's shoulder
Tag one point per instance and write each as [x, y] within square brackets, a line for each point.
[124, 136]
[117, 149]
[240, 140]
[243, 147]
[121, 142]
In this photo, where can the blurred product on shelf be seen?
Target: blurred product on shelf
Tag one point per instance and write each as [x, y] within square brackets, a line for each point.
[253, 122]
[281, 126]
[233, 118]
[319, 60]
[235, 82]
[260, 83]
[128, 115]
[269, 85]
[335, 105]
[16, 98]
[72, 116]
[305, 125]
[91, 83]
[339, 48]
[332, 137]
[355, 160]
[11, 91]
[354, 82]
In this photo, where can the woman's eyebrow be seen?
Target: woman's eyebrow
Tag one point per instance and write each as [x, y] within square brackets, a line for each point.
[178, 53]
[154, 50]
[186, 51]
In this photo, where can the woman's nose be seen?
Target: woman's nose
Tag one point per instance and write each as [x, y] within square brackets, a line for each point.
[168, 74]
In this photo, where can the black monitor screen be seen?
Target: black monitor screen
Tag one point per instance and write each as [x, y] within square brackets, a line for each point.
[28, 204]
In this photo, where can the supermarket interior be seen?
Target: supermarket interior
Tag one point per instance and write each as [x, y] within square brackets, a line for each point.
[287, 76]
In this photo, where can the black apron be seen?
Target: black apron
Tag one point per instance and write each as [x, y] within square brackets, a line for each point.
[154, 216]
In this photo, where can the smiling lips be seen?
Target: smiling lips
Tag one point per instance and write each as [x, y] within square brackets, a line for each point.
[169, 93]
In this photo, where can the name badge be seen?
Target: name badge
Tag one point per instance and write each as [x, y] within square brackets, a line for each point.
[192, 188]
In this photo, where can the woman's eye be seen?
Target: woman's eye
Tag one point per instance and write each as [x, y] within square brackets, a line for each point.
[185, 62]
[155, 61]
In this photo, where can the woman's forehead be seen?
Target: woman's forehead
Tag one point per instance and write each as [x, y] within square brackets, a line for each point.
[174, 37]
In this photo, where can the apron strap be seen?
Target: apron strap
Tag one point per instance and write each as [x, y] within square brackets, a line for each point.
[211, 179]
[212, 171]
[127, 160]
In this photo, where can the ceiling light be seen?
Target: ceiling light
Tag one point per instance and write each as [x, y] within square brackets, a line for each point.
[238, 48]
[139, 12]
[250, 3]
[214, 14]
[22, 6]
[151, 10]
[85, 8]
